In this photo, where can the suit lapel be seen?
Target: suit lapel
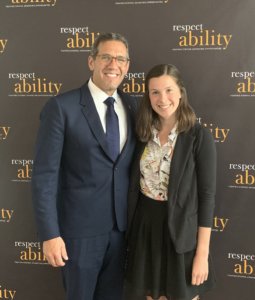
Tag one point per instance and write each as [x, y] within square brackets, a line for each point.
[90, 113]
[130, 124]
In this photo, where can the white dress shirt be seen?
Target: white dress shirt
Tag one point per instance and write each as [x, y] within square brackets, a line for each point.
[99, 97]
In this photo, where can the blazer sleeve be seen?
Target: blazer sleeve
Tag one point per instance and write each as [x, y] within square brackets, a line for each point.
[205, 159]
[46, 168]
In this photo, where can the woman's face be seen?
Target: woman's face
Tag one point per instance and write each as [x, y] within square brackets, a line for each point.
[165, 95]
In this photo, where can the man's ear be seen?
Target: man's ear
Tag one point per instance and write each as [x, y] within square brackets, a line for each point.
[91, 63]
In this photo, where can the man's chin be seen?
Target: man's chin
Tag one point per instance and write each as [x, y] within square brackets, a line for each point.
[112, 88]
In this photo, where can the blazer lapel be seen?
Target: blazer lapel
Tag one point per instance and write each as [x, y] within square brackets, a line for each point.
[90, 112]
[135, 170]
[182, 152]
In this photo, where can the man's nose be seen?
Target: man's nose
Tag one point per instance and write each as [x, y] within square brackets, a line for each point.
[113, 61]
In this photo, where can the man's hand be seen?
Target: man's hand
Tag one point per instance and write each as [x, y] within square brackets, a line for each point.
[55, 252]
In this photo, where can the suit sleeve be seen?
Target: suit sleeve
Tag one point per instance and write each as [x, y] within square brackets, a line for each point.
[205, 155]
[46, 168]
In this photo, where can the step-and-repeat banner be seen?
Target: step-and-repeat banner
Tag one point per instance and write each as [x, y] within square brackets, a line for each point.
[44, 45]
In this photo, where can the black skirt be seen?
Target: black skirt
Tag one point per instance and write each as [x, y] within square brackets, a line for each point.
[153, 266]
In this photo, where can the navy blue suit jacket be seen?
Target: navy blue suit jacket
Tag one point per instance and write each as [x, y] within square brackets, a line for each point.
[78, 191]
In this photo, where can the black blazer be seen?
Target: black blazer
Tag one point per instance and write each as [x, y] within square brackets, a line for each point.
[191, 190]
[77, 190]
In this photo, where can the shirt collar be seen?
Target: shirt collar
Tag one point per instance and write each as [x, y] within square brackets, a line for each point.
[171, 136]
[98, 94]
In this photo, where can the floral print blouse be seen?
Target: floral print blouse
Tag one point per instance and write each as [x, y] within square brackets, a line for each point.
[155, 166]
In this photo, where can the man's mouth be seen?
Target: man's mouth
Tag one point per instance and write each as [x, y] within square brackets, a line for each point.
[112, 75]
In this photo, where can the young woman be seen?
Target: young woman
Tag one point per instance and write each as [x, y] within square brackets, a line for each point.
[171, 196]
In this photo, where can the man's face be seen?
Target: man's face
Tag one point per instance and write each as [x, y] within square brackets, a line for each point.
[108, 75]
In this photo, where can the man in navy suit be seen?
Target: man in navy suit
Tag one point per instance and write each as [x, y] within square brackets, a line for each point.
[79, 190]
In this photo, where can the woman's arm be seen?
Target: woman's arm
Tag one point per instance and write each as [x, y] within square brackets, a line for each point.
[200, 263]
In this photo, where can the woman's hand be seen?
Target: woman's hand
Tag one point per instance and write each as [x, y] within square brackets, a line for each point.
[199, 269]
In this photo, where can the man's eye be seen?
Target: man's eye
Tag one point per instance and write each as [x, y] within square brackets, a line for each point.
[106, 57]
[121, 59]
